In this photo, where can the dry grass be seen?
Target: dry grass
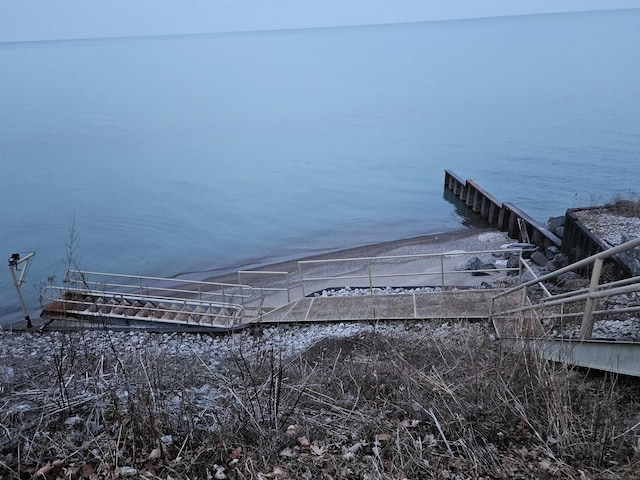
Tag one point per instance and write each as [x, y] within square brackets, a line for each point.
[416, 406]
[625, 206]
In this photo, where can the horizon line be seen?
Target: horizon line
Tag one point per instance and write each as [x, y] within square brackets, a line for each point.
[319, 27]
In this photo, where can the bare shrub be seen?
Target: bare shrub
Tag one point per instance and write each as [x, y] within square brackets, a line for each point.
[426, 402]
[626, 206]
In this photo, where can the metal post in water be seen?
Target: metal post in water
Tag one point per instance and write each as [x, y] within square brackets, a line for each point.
[14, 261]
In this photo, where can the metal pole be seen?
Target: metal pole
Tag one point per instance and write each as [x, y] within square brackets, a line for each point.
[286, 279]
[493, 301]
[586, 329]
[301, 279]
[13, 265]
[520, 263]
[370, 280]
[442, 270]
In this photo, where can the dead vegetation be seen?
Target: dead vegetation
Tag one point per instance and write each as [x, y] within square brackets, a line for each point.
[624, 206]
[421, 405]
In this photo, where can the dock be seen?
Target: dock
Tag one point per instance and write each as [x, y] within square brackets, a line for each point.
[396, 287]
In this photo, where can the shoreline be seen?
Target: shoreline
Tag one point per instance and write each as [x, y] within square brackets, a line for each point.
[466, 239]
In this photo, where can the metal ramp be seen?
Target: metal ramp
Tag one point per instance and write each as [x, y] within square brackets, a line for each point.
[450, 304]
[126, 301]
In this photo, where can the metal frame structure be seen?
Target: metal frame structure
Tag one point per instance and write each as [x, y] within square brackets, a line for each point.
[149, 299]
[14, 262]
[182, 301]
[363, 268]
[590, 295]
[521, 328]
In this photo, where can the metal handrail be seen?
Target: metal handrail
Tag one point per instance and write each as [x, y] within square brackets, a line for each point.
[371, 276]
[102, 298]
[134, 296]
[268, 289]
[574, 266]
[97, 286]
[162, 279]
[589, 295]
[368, 268]
[203, 287]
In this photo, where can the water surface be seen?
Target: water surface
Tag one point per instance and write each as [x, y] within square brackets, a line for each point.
[186, 153]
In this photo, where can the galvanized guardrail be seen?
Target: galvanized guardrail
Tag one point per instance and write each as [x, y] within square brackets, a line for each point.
[416, 270]
[260, 291]
[149, 299]
[157, 286]
[558, 306]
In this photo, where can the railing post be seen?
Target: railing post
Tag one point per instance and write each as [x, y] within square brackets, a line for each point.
[586, 329]
[301, 279]
[493, 300]
[442, 270]
[370, 280]
[523, 303]
[14, 260]
[286, 279]
[520, 263]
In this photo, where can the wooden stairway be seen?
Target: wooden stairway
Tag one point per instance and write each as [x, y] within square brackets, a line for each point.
[156, 312]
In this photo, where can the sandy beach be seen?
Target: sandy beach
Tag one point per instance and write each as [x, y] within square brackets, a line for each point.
[468, 240]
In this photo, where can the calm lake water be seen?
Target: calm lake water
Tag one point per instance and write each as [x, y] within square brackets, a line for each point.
[183, 154]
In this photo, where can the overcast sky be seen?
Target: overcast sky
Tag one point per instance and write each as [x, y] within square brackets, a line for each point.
[23, 20]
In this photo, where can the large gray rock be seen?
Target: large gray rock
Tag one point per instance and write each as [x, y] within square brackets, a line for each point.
[539, 258]
[571, 281]
[574, 284]
[569, 276]
[484, 266]
[471, 263]
[513, 262]
[527, 248]
[551, 251]
[559, 261]
[474, 264]
[555, 222]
